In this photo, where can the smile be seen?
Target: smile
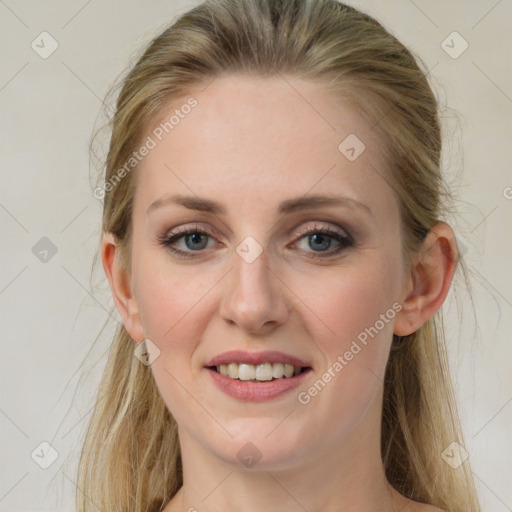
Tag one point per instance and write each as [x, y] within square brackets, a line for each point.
[260, 372]
[257, 376]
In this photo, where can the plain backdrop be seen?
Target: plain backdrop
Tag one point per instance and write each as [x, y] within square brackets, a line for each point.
[52, 309]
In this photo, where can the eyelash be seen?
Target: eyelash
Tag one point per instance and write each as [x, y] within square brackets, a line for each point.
[168, 239]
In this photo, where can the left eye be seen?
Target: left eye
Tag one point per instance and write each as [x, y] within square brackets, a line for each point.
[322, 239]
[196, 240]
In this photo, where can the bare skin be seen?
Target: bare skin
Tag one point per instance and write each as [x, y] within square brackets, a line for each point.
[248, 145]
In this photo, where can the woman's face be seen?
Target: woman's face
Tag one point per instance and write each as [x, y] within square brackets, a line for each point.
[317, 284]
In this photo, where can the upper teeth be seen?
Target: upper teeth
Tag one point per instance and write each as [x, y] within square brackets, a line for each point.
[265, 371]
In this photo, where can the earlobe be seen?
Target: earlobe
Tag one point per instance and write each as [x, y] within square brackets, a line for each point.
[429, 280]
[121, 287]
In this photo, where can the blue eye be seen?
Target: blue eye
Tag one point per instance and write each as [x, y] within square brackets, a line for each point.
[322, 238]
[195, 239]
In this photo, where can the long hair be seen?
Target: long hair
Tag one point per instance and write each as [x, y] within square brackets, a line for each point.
[131, 458]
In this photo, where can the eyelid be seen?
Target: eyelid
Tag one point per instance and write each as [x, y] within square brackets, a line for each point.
[211, 231]
[323, 227]
[184, 229]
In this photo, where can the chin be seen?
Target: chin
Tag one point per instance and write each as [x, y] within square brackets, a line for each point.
[258, 457]
[260, 444]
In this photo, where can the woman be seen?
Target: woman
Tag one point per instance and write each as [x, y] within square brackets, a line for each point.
[273, 241]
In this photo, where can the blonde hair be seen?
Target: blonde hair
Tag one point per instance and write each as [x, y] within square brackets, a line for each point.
[131, 456]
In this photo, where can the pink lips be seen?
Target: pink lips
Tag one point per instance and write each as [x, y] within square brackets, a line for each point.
[252, 391]
[255, 358]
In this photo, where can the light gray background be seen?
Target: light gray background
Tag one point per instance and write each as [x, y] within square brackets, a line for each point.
[51, 312]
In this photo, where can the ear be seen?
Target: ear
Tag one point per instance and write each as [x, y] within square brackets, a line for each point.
[119, 279]
[429, 280]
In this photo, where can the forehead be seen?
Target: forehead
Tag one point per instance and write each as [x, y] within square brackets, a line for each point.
[262, 139]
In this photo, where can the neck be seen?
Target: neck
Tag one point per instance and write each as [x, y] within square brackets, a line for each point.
[346, 477]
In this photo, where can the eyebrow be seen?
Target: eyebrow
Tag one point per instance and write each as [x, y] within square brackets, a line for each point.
[289, 206]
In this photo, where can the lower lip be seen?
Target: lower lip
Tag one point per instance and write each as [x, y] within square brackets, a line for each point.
[256, 391]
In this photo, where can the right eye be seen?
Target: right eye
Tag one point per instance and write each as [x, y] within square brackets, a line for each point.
[193, 238]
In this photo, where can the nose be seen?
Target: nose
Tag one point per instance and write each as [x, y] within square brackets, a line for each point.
[255, 297]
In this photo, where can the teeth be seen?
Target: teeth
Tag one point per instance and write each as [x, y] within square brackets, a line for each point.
[246, 371]
[288, 370]
[233, 370]
[264, 372]
[278, 370]
[261, 372]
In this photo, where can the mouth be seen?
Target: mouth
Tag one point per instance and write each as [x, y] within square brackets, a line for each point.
[257, 376]
[264, 372]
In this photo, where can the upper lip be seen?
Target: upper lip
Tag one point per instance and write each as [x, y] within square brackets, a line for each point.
[255, 358]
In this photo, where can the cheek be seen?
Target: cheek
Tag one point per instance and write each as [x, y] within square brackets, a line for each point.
[347, 301]
[176, 306]
[173, 305]
[169, 298]
[353, 320]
